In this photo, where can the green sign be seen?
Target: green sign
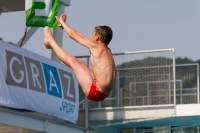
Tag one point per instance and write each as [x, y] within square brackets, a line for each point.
[41, 13]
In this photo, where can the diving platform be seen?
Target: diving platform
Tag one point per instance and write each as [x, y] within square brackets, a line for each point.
[103, 120]
[146, 116]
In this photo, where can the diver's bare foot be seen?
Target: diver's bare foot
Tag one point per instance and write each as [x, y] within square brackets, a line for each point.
[48, 37]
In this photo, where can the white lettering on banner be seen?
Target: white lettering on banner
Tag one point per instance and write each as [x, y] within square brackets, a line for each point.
[44, 12]
[39, 74]
[41, 19]
[68, 94]
[35, 75]
[11, 70]
[53, 84]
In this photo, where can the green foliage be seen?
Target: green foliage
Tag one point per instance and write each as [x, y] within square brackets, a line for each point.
[184, 60]
[11, 43]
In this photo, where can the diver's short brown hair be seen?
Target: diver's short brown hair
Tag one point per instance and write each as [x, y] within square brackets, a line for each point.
[105, 32]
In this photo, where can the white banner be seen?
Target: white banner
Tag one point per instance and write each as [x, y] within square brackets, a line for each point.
[30, 81]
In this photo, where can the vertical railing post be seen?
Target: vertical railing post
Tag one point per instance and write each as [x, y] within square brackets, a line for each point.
[135, 98]
[87, 105]
[99, 104]
[117, 95]
[169, 87]
[121, 97]
[130, 95]
[181, 130]
[169, 130]
[148, 94]
[181, 91]
[174, 81]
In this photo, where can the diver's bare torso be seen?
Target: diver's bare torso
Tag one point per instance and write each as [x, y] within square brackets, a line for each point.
[103, 68]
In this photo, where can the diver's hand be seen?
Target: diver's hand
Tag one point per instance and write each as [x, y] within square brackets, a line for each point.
[61, 20]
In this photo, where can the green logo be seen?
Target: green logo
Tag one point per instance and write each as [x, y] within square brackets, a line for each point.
[41, 13]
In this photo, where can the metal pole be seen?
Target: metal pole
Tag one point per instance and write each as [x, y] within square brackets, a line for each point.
[118, 78]
[87, 106]
[134, 101]
[148, 94]
[169, 130]
[134, 130]
[181, 130]
[58, 32]
[29, 33]
[99, 104]
[121, 97]
[181, 91]
[169, 87]
[130, 95]
[174, 75]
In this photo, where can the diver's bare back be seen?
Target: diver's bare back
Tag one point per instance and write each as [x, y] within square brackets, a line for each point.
[103, 67]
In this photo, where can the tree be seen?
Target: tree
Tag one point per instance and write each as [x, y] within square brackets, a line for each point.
[11, 43]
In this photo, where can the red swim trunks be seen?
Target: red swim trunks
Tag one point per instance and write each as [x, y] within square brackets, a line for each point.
[95, 94]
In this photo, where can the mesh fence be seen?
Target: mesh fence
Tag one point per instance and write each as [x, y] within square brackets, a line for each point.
[146, 79]
[187, 87]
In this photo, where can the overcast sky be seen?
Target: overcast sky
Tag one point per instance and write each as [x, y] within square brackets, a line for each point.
[137, 25]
